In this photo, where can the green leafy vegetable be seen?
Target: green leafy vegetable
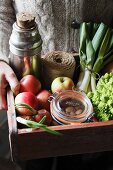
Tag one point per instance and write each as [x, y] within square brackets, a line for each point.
[102, 98]
[99, 61]
[96, 50]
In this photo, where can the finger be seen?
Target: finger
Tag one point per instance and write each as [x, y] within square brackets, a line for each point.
[12, 79]
[3, 103]
[13, 82]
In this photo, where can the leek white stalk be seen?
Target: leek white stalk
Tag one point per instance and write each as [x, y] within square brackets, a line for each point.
[86, 80]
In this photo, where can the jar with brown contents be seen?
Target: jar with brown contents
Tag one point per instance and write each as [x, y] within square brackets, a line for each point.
[71, 107]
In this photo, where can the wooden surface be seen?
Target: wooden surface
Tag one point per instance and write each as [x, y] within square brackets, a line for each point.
[35, 143]
[13, 131]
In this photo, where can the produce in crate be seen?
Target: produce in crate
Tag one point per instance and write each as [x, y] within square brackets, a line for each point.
[30, 83]
[96, 43]
[96, 50]
[38, 117]
[43, 99]
[102, 98]
[40, 114]
[26, 106]
[60, 84]
[33, 124]
[26, 98]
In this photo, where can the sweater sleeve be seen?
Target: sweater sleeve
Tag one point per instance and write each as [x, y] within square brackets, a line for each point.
[7, 18]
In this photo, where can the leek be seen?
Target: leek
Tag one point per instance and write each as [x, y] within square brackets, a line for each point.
[95, 49]
[98, 63]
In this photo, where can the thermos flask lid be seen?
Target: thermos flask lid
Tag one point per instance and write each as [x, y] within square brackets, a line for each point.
[25, 38]
[25, 20]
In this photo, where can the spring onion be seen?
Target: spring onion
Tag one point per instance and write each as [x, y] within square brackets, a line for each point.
[33, 124]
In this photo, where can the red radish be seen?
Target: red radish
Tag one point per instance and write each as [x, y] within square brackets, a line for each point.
[43, 99]
[30, 83]
[29, 99]
[40, 114]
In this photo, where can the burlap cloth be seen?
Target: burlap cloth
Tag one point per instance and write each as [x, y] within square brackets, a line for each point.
[55, 64]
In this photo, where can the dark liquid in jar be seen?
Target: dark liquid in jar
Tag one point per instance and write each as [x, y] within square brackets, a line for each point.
[71, 107]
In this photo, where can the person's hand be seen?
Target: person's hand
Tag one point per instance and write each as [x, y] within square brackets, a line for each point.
[7, 77]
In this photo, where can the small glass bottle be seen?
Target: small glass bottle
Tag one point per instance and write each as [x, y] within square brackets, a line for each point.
[70, 107]
[25, 46]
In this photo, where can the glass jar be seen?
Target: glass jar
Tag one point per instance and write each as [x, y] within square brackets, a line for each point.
[70, 107]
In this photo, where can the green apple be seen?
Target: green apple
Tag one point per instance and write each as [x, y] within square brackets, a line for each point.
[60, 84]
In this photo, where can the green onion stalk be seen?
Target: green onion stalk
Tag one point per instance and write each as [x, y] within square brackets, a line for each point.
[33, 124]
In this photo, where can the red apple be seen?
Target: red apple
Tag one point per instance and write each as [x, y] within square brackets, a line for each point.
[30, 83]
[41, 114]
[43, 99]
[60, 84]
[26, 98]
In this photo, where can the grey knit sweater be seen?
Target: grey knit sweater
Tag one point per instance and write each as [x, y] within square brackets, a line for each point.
[54, 19]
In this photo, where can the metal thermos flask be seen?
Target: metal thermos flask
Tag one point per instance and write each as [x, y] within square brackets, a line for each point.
[25, 46]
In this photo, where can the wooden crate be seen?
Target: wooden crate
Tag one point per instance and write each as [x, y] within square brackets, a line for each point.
[30, 143]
